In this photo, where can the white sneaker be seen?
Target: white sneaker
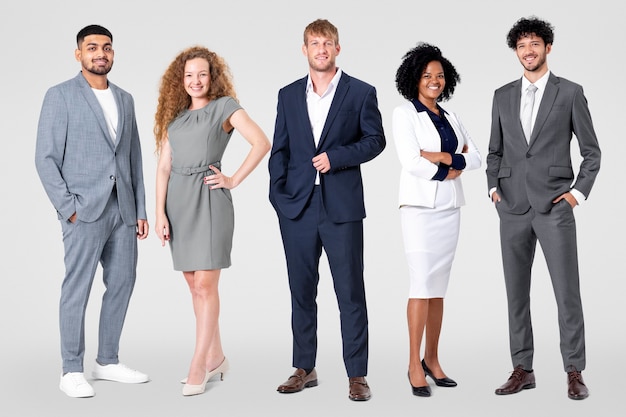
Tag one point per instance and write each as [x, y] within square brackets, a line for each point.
[119, 373]
[75, 385]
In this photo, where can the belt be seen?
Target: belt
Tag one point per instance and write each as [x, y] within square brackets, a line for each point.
[195, 170]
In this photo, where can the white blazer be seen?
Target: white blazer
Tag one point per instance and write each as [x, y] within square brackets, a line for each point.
[413, 132]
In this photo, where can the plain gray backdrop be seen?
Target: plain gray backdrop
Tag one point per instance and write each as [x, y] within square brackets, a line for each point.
[261, 41]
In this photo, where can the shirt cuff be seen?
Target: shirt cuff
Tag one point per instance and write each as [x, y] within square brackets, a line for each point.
[580, 197]
[458, 161]
[442, 173]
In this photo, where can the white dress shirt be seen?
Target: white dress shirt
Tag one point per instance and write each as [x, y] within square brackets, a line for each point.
[541, 88]
[318, 107]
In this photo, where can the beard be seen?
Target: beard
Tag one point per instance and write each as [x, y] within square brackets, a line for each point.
[324, 67]
[538, 64]
[99, 70]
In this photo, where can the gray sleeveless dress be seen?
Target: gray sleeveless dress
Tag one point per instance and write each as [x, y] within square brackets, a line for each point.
[201, 220]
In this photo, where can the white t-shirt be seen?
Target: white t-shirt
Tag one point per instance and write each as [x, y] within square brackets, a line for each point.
[109, 107]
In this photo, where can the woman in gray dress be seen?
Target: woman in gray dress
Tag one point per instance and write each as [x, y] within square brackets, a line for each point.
[196, 115]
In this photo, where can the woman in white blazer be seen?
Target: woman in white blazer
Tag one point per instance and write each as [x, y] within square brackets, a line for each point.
[434, 149]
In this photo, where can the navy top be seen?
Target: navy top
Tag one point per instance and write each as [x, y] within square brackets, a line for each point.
[449, 141]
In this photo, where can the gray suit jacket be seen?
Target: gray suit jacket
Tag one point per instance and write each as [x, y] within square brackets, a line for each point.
[533, 174]
[77, 161]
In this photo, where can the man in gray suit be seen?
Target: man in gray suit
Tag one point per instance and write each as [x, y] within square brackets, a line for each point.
[88, 158]
[531, 182]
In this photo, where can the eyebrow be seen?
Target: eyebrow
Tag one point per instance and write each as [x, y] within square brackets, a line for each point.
[96, 44]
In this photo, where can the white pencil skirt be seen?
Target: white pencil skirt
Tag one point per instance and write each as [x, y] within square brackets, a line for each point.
[430, 239]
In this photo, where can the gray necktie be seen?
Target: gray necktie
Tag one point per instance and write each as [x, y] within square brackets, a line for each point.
[527, 112]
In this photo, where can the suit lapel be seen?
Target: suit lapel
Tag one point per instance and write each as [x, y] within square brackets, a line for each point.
[94, 104]
[514, 104]
[547, 101]
[120, 112]
[342, 89]
[302, 111]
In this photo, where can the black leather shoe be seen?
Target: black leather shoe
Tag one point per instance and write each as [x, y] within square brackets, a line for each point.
[419, 391]
[440, 382]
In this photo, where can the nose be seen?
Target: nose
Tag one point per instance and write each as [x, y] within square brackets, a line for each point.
[100, 52]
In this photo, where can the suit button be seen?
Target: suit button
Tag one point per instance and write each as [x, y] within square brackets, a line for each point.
[112, 177]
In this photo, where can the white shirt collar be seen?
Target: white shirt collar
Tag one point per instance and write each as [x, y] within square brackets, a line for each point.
[540, 83]
[333, 83]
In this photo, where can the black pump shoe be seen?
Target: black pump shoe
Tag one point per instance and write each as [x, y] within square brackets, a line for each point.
[440, 382]
[419, 391]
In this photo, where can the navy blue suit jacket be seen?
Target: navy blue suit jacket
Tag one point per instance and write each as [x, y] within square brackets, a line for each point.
[353, 134]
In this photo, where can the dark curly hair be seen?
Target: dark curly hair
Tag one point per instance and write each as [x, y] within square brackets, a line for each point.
[530, 26]
[413, 65]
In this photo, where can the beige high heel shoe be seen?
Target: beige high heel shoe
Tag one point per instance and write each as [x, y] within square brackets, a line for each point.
[190, 389]
[221, 369]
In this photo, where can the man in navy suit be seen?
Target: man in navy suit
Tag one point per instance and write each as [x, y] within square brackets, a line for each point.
[327, 125]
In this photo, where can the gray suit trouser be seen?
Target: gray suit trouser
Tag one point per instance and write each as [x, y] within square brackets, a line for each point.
[556, 232]
[113, 244]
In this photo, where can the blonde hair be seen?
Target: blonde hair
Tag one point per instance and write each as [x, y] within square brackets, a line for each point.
[173, 98]
[321, 27]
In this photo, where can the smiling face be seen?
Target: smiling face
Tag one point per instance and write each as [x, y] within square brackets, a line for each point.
[532, 52]
[196, 80]
[431, 83]
[321, 52]
[95, 54]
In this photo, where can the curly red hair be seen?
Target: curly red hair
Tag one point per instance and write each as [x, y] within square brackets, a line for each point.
[173, 99]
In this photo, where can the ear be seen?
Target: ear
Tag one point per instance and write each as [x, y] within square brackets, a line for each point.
[77, 54]
[548, 48]
[338, 48]
[304, 49]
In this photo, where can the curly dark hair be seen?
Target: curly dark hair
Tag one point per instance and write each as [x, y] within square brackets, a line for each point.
[527, 26]
[413, 65]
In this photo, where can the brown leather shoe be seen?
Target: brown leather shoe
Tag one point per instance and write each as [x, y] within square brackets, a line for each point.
[576, 388]
[519, 380]
[298, 381]
[359, 390]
